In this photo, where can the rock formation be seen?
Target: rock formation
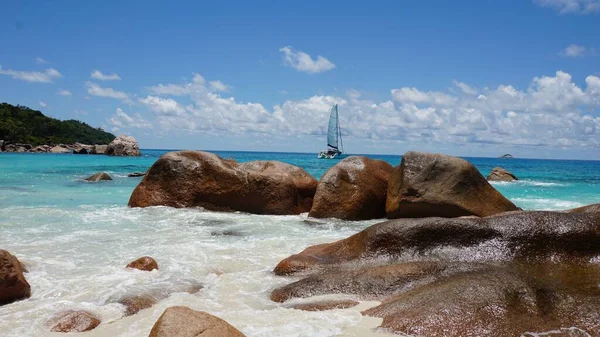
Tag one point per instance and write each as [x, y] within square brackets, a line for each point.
[502, 275]
[100, 176]
[500, 174]
[425, 185]
[13, 285]
[123, 146]
[99, 149]
[144, 263]
[133, 304]
[201, 179]
[184, 322]
[60, 149]
[79, 148]
[353, 189]
[73, 321]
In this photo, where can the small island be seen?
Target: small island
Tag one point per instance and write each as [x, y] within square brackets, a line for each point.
[508, 155]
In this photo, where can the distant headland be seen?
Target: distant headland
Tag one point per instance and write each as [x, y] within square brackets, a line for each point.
[508, 155]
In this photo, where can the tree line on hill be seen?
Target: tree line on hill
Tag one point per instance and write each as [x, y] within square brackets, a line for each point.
[20, 124]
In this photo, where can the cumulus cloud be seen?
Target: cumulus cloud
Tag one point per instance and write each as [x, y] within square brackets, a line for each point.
[552, 111]
[98, 75]
[96, 90]
[571, 6]
[64, 92]
[574, 50]
[301, 61]
[120, 119]
[32, 76]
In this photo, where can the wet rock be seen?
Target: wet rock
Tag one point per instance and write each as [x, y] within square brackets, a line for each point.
[227, 232]
[123, 146]
[201, 179]
[100, 176]
[137, 174]
[60, 149]
[428, 185]
[353, 189]
[325, 305]
[182, 321]
[99, 149]
[500, 174]
[133, 304]
[74, 321]
[13, 285]
[145, 263]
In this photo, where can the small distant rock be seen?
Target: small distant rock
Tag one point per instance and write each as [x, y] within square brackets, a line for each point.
[508, 155]
[182, 321]
[325, 305]
[500, 174]
[13, 285]
[60, 149]
[123, 146]
[145, 263]
[133, 304]
[99, 149]
[74, 321]
[137, 174]
[100, 176]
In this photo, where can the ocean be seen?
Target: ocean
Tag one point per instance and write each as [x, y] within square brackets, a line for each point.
[76, 237]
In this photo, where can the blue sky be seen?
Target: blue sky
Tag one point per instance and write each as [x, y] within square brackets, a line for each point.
[472, 78]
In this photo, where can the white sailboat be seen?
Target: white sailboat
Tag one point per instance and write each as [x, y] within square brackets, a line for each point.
[335, 146]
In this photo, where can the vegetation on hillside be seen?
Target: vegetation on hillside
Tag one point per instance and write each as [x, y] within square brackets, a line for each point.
[19, 124]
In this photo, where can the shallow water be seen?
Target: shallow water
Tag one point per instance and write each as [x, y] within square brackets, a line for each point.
[76, 237]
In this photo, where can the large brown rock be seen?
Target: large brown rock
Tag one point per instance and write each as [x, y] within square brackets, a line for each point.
[426, 185]
[13, 285]
[500, 174]
[591, 209]
[353, 189]
[144, 263]
[123, 146]
[74, 321]
[201, 179]
[184, 322]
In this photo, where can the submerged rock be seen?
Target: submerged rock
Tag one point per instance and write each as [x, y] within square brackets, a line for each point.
[136, 174]
[353, 189]
[202, 179]
[182, 321]
[133, 304]
[426, 185]
[123, 146]
[500, 174]
[74, 321]
[502, 275]
[13, 285]
[144, 263]
[100, 176]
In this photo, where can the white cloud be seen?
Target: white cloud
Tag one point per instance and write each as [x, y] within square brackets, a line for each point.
[98, 75]
[40, 60]
[96, 90]
[301, 61]
[64, 92]
[467, 89]
[218, 86]
[571, 6]
[414, 95]
[574, 50]
[32, 76]
[163, 106]
[120, 119]
[43, 104]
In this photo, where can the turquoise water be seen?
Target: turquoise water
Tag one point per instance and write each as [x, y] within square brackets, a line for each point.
[56, 180]
[76, 237]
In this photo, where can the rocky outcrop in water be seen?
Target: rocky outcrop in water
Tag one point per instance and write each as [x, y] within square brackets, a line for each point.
[100, 176]
[73, 321]
[500, 174]
[134, 304]
[123, 146]
[144, 263]
[79, 148]
[182, 321]
[99, 149]
[426, 184]
[353, 189]
[202, 179]
[501, 275]
[60, 149]
[13, 285]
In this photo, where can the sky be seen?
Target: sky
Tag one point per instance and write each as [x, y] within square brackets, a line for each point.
[468, 78]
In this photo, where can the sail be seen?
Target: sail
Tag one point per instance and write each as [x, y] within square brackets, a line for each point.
[332, 130]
